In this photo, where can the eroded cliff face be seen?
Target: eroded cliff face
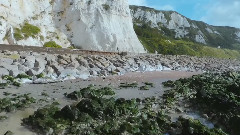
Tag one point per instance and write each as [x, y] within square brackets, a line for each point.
[181, 27]
[104, 25]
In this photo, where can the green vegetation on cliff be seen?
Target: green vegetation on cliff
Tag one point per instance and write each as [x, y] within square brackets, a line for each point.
[26, 31]
[153, 40]
[52, 44]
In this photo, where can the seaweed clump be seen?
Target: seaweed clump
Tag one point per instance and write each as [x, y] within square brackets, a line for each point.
[10, 104]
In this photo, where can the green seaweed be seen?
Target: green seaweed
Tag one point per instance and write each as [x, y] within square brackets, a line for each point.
[95, 114]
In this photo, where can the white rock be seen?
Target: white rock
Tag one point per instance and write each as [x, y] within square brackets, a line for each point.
[3, 72]
[6, 61]
[28, 64]
[68, 72]
[104, 25]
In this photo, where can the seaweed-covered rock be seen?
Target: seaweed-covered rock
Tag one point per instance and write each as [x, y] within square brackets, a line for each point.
[144, 88]
[76, 95]
[94, 115]
[91, 107]
[214, 94]
[69, 112]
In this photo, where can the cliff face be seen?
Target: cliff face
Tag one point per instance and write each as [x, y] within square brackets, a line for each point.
[104, 25]
[175, 25]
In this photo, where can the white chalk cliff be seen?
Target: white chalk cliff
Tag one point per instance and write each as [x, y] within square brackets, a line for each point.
[104, 25]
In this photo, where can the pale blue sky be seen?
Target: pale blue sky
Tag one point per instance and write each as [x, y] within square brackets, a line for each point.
[215, 12]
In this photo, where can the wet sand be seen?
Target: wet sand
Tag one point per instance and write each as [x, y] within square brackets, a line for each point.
[56, 91]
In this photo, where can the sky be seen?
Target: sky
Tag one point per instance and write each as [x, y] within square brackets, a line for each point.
[213, 12]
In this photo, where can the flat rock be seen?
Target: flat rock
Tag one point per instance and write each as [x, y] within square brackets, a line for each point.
[3, 72]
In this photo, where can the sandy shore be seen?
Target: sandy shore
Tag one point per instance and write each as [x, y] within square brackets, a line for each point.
[56, 91]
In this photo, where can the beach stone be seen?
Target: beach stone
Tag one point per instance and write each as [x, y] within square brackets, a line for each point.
[99, 65]
[49, 70]
[58, 69]
[62, 61]
[32, 72]
[29, 64]
[111, 68]
[73, 57]
[6, 61]
[68, 72]
[82, 62]
[22, 68]
[81, 68]
[3, 72]
[93, 72]
[50, 58]
[21, 61]
[30, 59]
[14, 72]
[104, 72]
[40, 64]
[65, 57]
[83, 73]
[117, 64]
[105, 64]
[73, 64]
[120, 70]
[91, 65]
[13, 69]
[41, 60]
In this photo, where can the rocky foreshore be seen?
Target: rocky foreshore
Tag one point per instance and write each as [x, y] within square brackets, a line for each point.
[71, 66]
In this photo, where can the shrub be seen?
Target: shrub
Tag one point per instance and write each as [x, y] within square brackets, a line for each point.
[26, 31]
[29, 30]
[52, 44]
[18, 34]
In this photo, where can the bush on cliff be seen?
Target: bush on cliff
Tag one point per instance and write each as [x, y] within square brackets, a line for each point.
[52, 44]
